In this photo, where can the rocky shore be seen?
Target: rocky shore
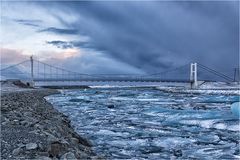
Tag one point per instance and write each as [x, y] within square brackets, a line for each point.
[32, 129]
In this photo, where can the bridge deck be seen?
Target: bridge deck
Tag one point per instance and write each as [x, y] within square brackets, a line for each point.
[110, 80]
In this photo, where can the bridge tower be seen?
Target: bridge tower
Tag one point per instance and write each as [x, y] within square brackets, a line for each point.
[32, 75]
[31, 60]
[193, 75]
[236, 75]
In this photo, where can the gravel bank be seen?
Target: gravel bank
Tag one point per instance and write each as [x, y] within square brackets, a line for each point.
[32, 129]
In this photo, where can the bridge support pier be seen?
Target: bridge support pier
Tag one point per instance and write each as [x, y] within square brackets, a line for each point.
[193, 75]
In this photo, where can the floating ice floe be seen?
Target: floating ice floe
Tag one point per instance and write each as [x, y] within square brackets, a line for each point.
[121, 98]
[202, 123]
[148, 99]
[173, 142]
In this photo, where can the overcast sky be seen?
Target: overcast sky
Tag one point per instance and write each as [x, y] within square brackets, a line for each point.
[122, 37]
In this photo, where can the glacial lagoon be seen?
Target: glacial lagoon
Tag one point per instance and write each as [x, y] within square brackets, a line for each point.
[146, 123]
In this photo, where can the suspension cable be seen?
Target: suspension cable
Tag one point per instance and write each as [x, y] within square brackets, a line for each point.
[215, 72]
[14, 65]
[170, 70]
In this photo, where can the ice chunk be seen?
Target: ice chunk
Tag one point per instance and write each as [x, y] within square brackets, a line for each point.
[173, 142]
[220, 126]
[235, 108]
[234, 128]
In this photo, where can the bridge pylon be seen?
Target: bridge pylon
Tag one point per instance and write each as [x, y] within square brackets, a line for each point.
[193, 75]
[32, 75]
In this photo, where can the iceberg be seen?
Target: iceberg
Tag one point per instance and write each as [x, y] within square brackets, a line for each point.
[235, 108]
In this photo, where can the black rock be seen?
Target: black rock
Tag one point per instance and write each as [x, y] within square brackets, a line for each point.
[79, 100]
[198, 107]
[151, 149]
[98, 92]
[177, 153]
[110, 106]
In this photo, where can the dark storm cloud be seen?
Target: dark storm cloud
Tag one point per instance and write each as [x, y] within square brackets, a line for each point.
[33, 23]
[60, 44]
[60, 30]
[70, 44]
[155, 36]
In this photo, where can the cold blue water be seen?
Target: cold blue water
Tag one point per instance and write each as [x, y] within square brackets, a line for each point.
[146, 123]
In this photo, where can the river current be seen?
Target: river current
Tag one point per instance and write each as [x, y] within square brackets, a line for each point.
[146, 123]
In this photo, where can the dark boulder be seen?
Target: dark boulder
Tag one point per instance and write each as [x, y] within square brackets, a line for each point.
[177, 153]
[79, 100]
[110, 106]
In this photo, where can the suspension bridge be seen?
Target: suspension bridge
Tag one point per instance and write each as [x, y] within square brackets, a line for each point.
[44, 74]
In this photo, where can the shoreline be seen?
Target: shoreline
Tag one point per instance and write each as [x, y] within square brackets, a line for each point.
[31, 128]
